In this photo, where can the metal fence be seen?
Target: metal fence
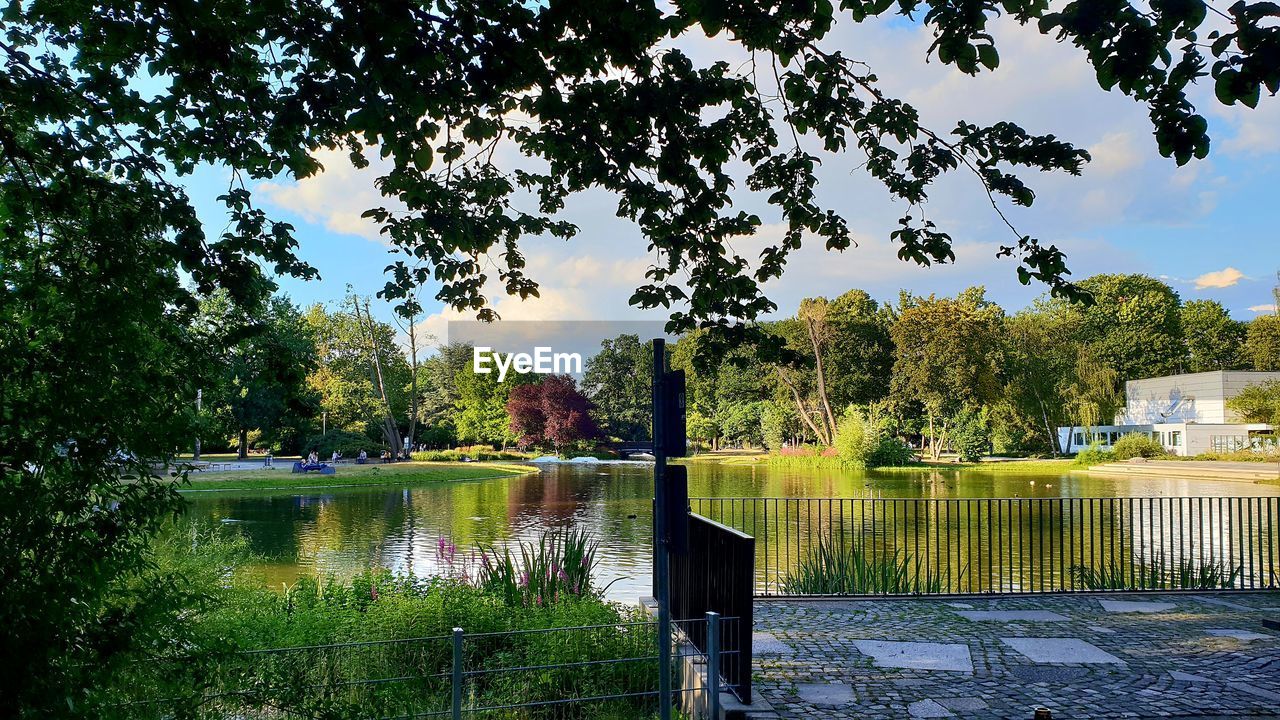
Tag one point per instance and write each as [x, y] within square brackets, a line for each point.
[715, 574]
[1011, 545]
[566, 672]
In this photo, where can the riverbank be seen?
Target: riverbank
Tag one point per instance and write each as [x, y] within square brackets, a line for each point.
[410, 473]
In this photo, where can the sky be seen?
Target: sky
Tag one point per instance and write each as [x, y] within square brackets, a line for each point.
[1208, 229]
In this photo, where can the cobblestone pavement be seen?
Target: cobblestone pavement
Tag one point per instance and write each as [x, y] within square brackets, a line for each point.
[1083, 656]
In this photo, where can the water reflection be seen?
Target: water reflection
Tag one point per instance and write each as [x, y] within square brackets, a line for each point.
[344, 531]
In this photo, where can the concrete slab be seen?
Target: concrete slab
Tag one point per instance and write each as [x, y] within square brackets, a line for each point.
[1060, 650]
[928, 709]
[1188, 677]
[763, 643]
[1135, 606]
[952, 657]
[960, 605]
[1011, 615]
[825, 693]
[1245, 635]
[1100, 629]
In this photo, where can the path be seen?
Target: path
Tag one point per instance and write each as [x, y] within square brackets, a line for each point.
[1082, 656]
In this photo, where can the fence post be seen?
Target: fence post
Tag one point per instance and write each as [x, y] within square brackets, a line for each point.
[457, 674]
[713, 665]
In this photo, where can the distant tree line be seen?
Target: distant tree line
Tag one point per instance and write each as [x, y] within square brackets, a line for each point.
[932, 369]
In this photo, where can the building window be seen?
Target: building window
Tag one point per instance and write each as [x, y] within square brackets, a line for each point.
[1175, 439]
[1079, 438]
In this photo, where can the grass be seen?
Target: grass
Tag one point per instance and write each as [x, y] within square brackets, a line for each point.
[1187, 574]
[281, 478]
[1008, 467]
[851, 570]
[375, 645]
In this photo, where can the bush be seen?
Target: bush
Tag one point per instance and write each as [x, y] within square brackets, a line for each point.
[472, 452]
[1094, 455]
[842, 569]
[863, 439]
[347, 444]
[971, 435]
[1136, 445]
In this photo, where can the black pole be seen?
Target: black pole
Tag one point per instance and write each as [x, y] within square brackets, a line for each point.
[661, 557]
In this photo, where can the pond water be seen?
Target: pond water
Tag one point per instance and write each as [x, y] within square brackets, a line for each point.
[343, 531]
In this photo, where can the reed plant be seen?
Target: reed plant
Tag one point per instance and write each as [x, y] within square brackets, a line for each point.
[560, 564]
[851, 569]
[1157, 574]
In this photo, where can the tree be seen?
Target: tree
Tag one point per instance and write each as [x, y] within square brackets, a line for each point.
[439, 383]
[1039, 354]
[550, 411]
[481, 410]
[946, 356]
[346, 377]
[1092, 394]
[1258, 403]
[99, 369]
[587, 97]
[264, 367]
[618, 380]
[1133, 325]
[1262, 343]
[1213, 340]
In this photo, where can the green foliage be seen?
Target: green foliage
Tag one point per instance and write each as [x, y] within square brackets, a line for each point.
[1258, 403]
[363, 624]
[700, 427]
[1094, 455]
[347, 444]
[559, 565]
[618, 380]
[1133, 325]
[480, 411]
[1136, 445]
[1262, 343]
[1213, 340]
[851, 569]
[99, 368]
[474, 452]
[740, 423]
[971, 434]
[777, 423]
[1157, 574]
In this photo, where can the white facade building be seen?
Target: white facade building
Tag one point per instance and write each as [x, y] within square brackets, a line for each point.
[1187, 414]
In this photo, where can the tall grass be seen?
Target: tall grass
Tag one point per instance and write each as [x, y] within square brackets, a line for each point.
[1158, 574]
[559, 565]
[839, 569]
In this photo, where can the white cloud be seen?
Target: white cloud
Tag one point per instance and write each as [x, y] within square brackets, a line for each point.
[336, 196]
[1255, 129]
[1263, 308]
[1223, 278]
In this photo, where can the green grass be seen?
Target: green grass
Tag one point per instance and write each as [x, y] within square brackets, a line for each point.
[281, 478]
[1009, 467]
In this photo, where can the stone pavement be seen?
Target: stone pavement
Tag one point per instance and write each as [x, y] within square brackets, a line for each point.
[1081, 656]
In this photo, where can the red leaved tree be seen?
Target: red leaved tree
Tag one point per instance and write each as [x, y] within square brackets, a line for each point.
[552, 411]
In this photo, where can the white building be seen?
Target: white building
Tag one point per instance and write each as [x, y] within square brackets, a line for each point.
[1187, 414]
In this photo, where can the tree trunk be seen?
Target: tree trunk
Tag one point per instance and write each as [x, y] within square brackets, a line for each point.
[804, 411]
[243, 452]
[1044, 415]
[389, 430]
[933, 445]
[413, 385]
[829, 417]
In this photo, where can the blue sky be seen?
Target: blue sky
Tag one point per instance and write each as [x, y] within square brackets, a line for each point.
[1209, 228]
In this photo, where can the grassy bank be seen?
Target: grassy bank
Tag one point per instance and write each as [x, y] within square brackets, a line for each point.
[375, 645]
[412, 473]
[1004, 467]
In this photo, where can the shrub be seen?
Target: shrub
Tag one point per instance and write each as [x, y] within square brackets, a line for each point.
[1186, 574]
[863, 439]
[1134, 445]
[474, 452]
[559, 565]
[971, 435]
[348, 444]
[1094, 455]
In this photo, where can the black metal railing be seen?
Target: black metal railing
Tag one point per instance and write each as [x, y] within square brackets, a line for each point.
[716, 574]
[1018, 545]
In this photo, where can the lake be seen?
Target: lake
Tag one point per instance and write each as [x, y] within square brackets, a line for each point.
[343, 531]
